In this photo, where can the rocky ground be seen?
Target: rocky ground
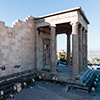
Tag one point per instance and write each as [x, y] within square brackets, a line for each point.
[51, 91]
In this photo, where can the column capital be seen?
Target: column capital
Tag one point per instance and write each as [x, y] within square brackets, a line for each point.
[68, 34]
[52, 25]
[74, 23]
[75, 26]
[81, 26]
[86, 31]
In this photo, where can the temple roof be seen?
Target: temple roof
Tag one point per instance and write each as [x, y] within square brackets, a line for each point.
[79, 9]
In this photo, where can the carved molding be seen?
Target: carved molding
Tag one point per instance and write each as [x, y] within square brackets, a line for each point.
[57, 18]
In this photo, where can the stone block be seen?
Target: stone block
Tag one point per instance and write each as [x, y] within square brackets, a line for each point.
[2, 23]
[9, 69]
[18, 86]
[29, 24]
[4, 42]
[3, 33]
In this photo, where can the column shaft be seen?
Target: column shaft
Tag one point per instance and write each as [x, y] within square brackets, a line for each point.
[53, 49]
[75, 54]
[81, 48]
[86, 49]
[68, 50]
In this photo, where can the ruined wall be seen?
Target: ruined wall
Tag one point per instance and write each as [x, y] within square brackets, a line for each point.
[17, 47]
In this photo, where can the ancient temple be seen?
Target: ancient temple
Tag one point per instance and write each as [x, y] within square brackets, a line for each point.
[29, 46]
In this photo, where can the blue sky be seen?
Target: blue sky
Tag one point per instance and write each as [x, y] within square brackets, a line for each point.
[19, 9]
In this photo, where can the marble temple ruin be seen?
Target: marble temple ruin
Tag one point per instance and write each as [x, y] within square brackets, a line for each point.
[29, 46]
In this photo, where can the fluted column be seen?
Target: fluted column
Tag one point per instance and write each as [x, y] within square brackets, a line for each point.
[75, 49]
[68, 50]
[53, 49]
[86, 49]
[81, 49]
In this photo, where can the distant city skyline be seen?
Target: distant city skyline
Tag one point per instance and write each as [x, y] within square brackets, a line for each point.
[94, 54]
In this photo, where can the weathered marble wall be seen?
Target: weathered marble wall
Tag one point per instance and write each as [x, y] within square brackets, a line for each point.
[17, 47]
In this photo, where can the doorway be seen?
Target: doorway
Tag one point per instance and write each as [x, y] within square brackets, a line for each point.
[46, 53]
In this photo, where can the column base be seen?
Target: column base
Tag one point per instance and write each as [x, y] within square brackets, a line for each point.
[53, 72]
[74, 75]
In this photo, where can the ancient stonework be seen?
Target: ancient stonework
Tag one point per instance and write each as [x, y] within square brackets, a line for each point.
[31, 44]
[17, 46]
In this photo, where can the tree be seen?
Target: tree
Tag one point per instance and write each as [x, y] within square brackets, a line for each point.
[60, 55]
[64, 57]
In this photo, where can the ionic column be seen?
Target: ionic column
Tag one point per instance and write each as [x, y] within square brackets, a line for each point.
[84, 52]
[75, 49]
[53, 49]
[86, 49]
[68, 50]
[81, 49]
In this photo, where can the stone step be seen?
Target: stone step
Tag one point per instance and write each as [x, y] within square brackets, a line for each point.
[90, 78]
[86, 76]
[82, 74]
[86, 85]
[82, 83]
[85, 89]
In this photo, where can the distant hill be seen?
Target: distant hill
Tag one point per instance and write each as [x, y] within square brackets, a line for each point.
[93, 55]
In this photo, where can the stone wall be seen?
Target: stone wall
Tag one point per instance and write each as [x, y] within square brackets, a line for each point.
[17, 47]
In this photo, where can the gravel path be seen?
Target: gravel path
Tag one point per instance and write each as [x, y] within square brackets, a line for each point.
[50, 91]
